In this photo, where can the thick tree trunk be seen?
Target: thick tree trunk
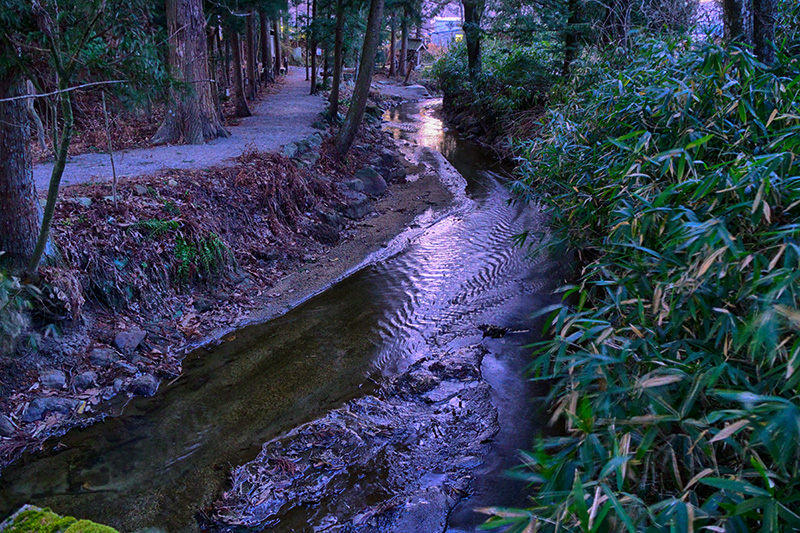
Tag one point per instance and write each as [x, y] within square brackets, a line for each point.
[213, 54]
[192, 117]
[403, 43]
[267, 74]
[392, 46]
[473, 11]
[250, 55]
[734, 21]
[20, 213]
[765, 13]
[313, 48]
[277, 29]
[238, 83]
[359, 101]
[338, 45]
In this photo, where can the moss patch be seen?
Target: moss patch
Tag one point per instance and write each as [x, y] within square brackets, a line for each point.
[31, 519]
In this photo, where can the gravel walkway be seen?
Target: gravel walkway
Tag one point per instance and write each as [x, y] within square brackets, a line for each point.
[278, 119]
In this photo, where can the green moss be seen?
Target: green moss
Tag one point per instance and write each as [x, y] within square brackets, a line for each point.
[31, 519]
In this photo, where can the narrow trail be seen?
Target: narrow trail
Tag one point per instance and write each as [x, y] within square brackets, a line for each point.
[277, 119]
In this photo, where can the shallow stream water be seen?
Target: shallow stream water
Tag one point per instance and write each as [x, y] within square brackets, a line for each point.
[166, 459]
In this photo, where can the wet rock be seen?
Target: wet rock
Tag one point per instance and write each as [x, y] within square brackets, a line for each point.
[144, 385]
[355, 205]
[103, 356]
[84, 380]
[417, 91]
[419, 456]
[128, 341]
[7, 428]
[53, 379]
[40, 407]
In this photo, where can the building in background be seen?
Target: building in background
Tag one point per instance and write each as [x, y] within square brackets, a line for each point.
[446, 30]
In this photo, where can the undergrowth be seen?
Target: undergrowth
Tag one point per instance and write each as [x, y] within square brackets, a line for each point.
[674, 363]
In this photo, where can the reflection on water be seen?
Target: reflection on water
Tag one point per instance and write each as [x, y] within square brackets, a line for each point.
[167, 457]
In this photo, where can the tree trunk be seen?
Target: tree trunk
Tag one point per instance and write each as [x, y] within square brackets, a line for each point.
[473, 11]
[277, 29]
[313, 48]
[338, 45]
[570, 37]
[238, 83]
[403, 43]
[308, 38]
[326, 53]
[733, 19]
[192, 117]
[267, 74]
[213, 54]
[765, 13]
[250, 55]
[359, 100]
[227, 63]
[392, 51]
[20, 213]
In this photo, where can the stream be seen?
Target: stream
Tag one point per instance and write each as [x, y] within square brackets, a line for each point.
[165, 459]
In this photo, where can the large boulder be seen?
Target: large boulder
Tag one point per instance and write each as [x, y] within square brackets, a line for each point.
[40, 407]
[374, 184]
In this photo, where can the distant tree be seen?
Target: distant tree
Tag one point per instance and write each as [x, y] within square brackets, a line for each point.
[192, 116]
[267, 73]
[338, 49]
[344, 139]
[473, 13]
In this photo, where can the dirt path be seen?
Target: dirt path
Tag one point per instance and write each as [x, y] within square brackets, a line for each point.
[278, 119]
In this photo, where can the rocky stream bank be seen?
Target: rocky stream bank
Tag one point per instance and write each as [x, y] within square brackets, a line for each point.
[184, 258]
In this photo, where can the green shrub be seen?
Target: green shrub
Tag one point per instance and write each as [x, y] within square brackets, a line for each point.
[514, 77]
[676, 367]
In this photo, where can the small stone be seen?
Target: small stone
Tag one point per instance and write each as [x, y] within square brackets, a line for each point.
[308, 159]
[202, 305]
[330, 217]
[141, 190]
[314, 140]
[119, 384]
[356, 205]
[7, 428]
[354, 184]
[125, 367]
[85, 202]
[84, 380]
[103, 357]
[53, 379]
[128, 341]
[40, 407]
[144, 385]
[374, 183]
[172, 183]
[290, 150]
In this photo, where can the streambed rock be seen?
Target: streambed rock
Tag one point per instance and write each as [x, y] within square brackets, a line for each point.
[395, 461]
[40, 407]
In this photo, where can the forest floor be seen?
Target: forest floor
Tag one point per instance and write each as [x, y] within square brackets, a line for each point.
[278, 119]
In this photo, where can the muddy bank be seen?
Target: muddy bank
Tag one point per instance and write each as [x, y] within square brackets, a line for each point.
[187, 257]
[423, 432]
